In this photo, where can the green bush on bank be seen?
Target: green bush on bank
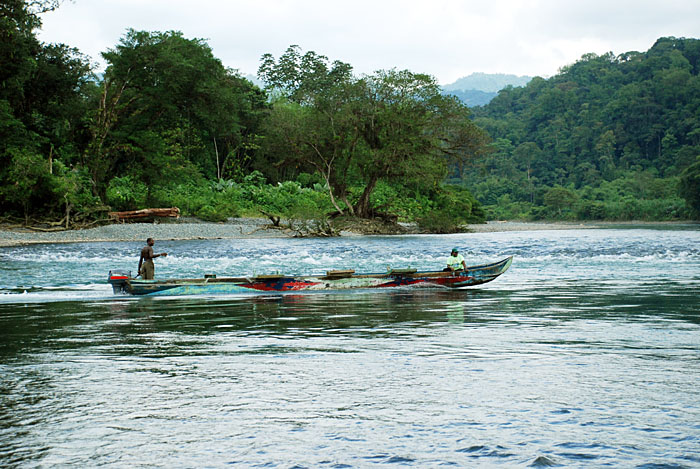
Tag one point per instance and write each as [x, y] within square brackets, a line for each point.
[453, 207]
[635, 195]
[220, 200]
[442, 209]
[445, 207]
[126, 193]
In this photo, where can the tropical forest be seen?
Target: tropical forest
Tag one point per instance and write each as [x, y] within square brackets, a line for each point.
[166, 124]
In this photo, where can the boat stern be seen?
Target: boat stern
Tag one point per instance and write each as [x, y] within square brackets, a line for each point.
[119, 279]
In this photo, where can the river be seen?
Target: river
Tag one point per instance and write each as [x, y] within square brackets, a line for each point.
[586, 353]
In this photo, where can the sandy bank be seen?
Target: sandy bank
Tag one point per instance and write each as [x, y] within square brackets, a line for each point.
[239, 228]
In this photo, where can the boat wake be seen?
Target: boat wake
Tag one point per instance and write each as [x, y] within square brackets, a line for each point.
[53, 294]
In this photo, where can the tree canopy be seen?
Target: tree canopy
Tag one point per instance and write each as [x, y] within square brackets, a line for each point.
[614, 137]
[605, 118]
[43, 104]
[166, 117]
[170, 109]
[392, 126]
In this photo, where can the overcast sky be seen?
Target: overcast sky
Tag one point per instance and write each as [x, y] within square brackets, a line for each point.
[448, 39]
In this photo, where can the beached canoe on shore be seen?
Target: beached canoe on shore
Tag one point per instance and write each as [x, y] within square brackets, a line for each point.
[122, 282]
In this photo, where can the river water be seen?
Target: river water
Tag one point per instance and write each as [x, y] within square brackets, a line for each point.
[586, 353]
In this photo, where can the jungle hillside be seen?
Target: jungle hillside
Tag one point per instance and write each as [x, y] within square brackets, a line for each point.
[165, 124]
[611, 137]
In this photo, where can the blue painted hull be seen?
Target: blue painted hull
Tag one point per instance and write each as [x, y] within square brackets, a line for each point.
[334, 280]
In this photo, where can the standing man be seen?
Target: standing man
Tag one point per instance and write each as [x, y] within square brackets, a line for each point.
[455, 262]
[148, 269]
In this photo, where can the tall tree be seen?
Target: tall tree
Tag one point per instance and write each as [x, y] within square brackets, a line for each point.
[311, 123]
[169, 105]
[392, 126]
[43, 98]
[410, 129]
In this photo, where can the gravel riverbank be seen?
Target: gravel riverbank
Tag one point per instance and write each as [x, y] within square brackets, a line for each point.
[181, 229]
[234, 228]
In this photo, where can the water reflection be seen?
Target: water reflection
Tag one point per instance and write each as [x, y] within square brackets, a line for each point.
[129, 320]
[578, 356]
[496, 377]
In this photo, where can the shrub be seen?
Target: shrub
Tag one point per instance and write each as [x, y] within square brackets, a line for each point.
[310, 180]
[126, 193]
[218, 213]
[591, 210]
[438, 221]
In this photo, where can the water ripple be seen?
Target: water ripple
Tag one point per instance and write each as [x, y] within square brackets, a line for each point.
[585, 354]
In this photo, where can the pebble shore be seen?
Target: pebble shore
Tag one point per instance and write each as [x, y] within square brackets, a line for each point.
[234, 228]
[181, 229]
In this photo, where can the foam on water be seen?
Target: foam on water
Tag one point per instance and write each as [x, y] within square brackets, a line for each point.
[86, 292]
[584, 354]
[75, 271]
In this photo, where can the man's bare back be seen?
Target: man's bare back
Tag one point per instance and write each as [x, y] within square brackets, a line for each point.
[146, 267]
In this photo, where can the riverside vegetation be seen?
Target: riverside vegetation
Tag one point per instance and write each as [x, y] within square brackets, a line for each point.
[167, 124]
[609, 138]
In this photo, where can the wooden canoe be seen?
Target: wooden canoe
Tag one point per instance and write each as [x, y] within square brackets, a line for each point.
[122, 282]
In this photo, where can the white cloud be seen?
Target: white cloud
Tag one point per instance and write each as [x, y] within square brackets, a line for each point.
[445, 38]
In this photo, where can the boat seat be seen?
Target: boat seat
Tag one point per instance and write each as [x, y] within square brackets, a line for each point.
[270, 277]
[339, 273]
[402, 271]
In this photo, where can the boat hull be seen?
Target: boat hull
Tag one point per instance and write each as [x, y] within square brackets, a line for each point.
[474, 275]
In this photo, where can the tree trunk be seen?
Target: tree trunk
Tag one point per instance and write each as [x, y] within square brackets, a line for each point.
[330, 192]
[145, 213]
[362, 208]
[68, 206]
[351, 209]
[94, 156]
[218, 168]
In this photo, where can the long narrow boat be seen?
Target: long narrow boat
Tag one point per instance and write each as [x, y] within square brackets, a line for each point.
[122, 282]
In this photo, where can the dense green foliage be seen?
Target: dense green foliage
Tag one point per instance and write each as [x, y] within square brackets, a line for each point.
[392, 127]
[169, 110]
[166, 124]
[44, 93]
[606, 138]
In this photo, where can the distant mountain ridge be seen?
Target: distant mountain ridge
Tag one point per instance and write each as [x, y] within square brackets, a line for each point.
[254, 80]
[478, 89]
[472, 97]
[488, 82]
